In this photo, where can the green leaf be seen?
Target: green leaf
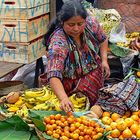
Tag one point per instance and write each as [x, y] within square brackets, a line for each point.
[48, 137]
[119, 51]
[34, 137]
[39, 124]
[14, 128]
[14, 122]
[11, 134]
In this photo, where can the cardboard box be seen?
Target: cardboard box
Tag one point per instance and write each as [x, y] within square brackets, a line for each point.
[22, 52]
[23, 30]
[23, 9]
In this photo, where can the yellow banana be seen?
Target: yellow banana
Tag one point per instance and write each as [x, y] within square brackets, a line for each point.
[29, 105]
[30, 100]
[13, 109]
[43, 98]
[39, 106]
[81, 100]
[32, 93]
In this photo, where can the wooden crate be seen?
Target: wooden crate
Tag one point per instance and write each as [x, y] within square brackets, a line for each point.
[22, 52]
[23, 9]
[23, 30]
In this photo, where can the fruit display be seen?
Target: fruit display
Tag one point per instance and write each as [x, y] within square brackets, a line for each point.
[122, 127]
[71, 128]
[41, 99]
[129, 37]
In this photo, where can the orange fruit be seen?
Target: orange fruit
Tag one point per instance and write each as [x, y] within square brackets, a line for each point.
[99, 135]
[121, 137]
[127, 133]
[113, 125]
[62, 119]
[134, 128]
[106, 114]
[95, 137]
[77, 124]
[55, 135]
[54, 126]
[115, 133]
[127, 114]
[135, 117]
[64, 138]
[81, 138]
[52, 121]
[49, 132]
[129, 121]
[138, 134]
[121, 125]
[115, 116]
[57, 116]
[106, 120]
[47, 120]
[108, 128]
[135, 113]
[49, 127]
[75, 136]
[52, 117]
[72, 128]
[67, 134]
[138, 73]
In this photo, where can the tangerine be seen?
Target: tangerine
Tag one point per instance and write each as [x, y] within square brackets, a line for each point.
[115, 116]
[106, 114]
[134, 128]
[115, 133]
[129, 122]
[135, 117]
[106, 120]
[127, 133]
[121, 125]
[138, 134]
[57, 116]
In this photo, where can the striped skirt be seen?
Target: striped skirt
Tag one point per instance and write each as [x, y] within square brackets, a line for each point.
[88, 85]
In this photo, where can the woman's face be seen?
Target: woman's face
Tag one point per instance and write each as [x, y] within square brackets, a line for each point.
[74, 26]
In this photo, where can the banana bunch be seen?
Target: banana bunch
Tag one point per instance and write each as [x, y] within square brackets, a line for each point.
[23, 112]
[79, 101]
[129, 37]
[35, 92]
[41, 99]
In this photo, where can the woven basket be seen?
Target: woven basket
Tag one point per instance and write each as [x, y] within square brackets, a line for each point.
[10, 86]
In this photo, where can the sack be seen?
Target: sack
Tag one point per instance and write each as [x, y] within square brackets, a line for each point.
[118, 34]
[120, 97]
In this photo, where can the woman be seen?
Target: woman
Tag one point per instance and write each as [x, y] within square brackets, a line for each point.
[77, 54]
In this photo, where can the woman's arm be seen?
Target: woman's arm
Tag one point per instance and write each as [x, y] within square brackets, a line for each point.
[58, 88]
[104, 59]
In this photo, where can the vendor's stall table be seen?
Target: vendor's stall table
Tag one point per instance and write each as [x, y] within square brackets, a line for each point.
[7, 67]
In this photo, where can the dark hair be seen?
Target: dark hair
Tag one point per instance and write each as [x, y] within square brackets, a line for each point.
[69, 9]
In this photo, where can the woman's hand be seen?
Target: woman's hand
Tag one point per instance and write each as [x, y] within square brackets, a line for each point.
[67, 105]
[105, 69]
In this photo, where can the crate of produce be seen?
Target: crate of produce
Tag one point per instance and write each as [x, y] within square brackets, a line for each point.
[19, 9]
[23, 30]
[22, 52]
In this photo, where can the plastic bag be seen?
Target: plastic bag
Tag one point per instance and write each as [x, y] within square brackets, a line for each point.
[118, 34]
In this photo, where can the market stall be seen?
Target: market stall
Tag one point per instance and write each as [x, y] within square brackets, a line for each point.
[35, 113]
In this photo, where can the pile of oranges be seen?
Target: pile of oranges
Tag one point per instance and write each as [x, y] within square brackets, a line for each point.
[122, 127]
[72, 128]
